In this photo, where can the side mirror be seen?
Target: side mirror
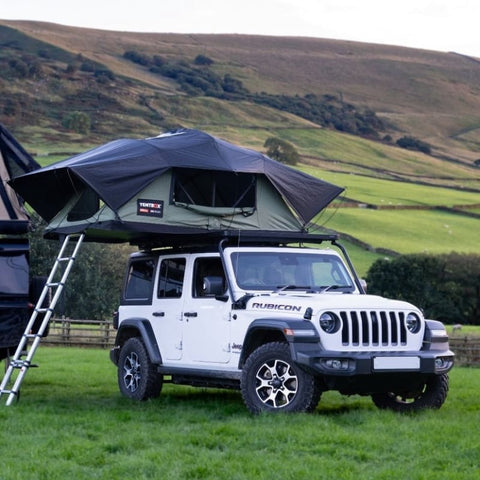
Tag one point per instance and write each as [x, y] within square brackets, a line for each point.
[213, 286]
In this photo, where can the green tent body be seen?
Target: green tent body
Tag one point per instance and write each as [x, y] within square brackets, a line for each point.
[182, 183]
[151, 211]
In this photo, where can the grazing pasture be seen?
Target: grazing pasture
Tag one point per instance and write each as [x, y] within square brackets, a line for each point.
[71, 422]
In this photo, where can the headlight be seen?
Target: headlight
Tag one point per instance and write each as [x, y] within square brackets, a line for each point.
[329, 322]
[412, 322]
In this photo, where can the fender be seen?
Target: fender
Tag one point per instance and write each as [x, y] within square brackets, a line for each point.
[436, 337]
[134, 327]
[295, 332]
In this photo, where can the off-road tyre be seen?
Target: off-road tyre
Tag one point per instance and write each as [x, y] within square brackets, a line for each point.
[137, 375]
[432, 395]
[272, 382]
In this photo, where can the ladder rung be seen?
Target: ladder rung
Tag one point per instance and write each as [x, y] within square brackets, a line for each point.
[65, 259]
[19, 363]
[43, 310]
[55, 284]
[31, 335]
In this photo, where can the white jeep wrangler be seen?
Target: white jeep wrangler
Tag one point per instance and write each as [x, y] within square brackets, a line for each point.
[281, 323]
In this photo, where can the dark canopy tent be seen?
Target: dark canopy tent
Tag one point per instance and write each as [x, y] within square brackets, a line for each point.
[14, 160]
[14, 250]
[176, 183]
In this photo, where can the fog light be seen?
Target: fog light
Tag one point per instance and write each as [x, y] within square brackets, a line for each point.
[336, 364]
[441, 363]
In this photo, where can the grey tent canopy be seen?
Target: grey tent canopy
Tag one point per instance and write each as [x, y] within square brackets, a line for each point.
[184, 182]
[14, 160]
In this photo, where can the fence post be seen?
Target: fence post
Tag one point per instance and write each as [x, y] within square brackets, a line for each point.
[66, 325]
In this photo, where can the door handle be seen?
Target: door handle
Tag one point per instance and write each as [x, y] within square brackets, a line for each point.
[158, 314]
[190, 314]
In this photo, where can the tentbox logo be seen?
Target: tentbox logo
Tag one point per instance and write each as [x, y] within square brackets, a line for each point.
[150, 208]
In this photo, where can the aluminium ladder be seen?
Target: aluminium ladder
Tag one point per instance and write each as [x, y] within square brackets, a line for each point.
[60, 270]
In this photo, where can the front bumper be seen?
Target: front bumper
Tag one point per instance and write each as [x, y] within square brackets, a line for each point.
[369, 363]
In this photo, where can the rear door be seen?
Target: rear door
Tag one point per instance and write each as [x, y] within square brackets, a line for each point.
[166, 315]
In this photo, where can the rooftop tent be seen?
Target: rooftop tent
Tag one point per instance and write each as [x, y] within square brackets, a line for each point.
[181, 182]
[14, 160]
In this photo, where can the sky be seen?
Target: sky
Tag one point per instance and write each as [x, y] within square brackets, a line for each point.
[442, 25]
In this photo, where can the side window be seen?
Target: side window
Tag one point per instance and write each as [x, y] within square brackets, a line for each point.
[170, 280]
[140, 280]
[209, 277]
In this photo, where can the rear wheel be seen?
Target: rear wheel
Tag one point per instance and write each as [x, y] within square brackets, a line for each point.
[272, 382]
[432, 394]
[137, 375]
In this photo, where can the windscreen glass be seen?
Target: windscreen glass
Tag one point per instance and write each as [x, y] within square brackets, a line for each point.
[277, 270]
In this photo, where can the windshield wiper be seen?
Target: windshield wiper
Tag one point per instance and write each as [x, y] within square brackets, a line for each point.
[334, 287]
[281, 288]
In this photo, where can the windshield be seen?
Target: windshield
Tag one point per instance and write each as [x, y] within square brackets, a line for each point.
[290, 270]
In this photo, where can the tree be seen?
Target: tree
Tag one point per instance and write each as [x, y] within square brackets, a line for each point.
[202, 60]
[446, 287]
[78, 122]
[92, 290]
[281, 150]
[412, 143]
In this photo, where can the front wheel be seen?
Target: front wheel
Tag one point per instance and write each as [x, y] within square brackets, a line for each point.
[432, 394]
[137, 375]
[271, 382]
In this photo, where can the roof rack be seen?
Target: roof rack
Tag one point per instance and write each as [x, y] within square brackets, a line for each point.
[234, 236]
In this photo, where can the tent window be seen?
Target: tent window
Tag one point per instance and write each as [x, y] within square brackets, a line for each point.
[214, 189]
[87, 205]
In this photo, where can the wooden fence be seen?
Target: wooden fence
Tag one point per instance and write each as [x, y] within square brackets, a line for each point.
[467, 351]
[80, 333]
[101, 334]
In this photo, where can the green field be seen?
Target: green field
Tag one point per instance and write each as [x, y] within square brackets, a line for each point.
[71, 422]
[389, 193]
[404, 231]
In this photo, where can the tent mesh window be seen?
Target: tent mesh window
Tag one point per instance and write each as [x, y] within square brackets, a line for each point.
[87, 205]
[214, 188]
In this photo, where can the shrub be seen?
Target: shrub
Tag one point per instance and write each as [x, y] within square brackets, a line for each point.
[87, 66]
[412, 143]
[78, 122]
[136, 57]
[203, 60]
[19, 67]
[446, 286]
[281, 150]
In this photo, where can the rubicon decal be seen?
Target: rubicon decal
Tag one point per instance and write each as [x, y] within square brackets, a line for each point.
[150, 208]
[277, 307]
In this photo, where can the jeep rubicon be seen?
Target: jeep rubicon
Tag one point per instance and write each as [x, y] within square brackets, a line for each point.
[281, 323]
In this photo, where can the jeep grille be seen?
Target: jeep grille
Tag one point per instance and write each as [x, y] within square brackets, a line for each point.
[373, 328]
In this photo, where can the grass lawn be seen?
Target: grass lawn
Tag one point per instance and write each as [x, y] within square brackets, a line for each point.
[71, 422]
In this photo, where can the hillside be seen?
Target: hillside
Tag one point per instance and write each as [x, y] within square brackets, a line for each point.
[432, 96]
[49, 72]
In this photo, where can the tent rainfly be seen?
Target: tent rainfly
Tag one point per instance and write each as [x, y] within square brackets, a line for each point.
[184, 182]
[14, 160]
